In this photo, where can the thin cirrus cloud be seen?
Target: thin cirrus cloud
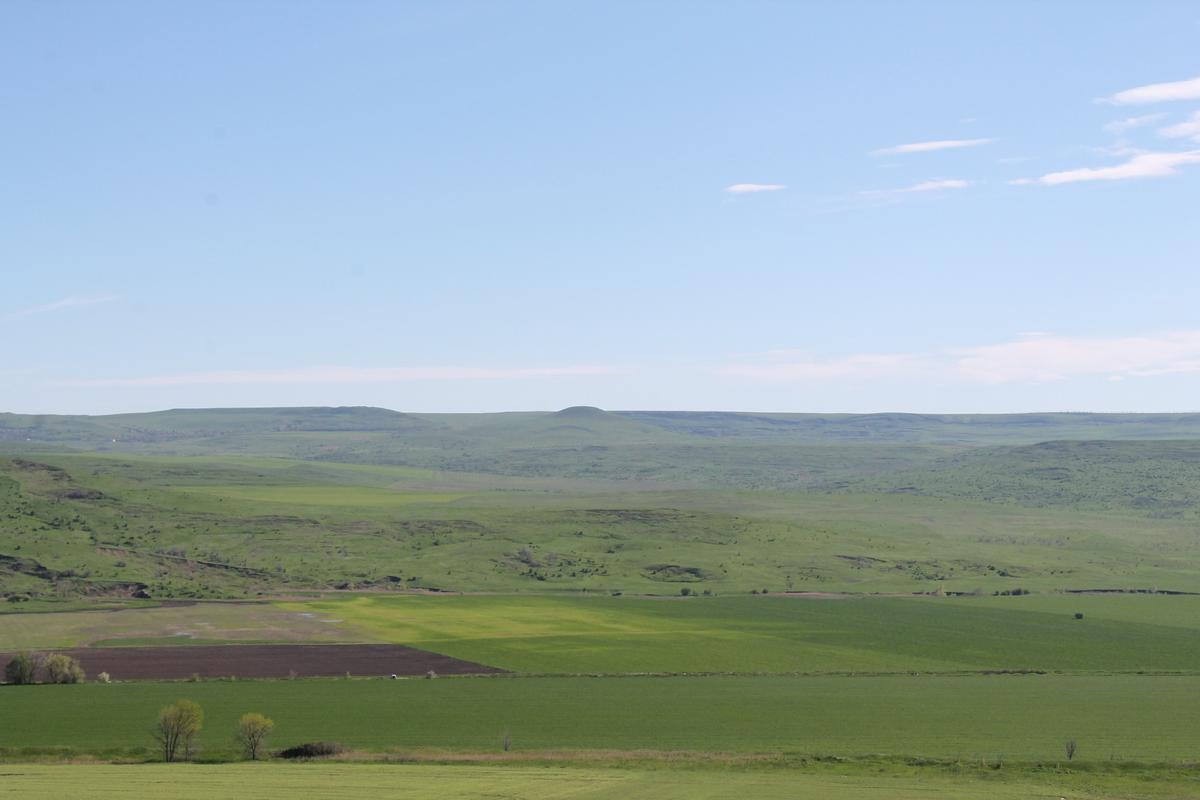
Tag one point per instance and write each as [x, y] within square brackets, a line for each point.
[929, 147]
[1142, 165]
[1158, 93]
[1055, 358]
[332, 375]
[1119, 126]
[1031, 358]
[936, 185]
[782, 367]
[1188, 129]
[62, 304]
[753, 188]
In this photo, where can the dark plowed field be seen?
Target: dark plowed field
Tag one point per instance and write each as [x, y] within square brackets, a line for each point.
[267, 661]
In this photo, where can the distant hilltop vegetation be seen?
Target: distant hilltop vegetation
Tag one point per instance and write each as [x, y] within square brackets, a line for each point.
[588, 425]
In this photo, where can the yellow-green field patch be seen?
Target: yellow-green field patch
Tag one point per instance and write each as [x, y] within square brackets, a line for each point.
[421, 782]
[352, 496]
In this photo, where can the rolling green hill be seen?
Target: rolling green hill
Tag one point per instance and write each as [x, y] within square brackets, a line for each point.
[1159, 478]
[207, 526]
[736, 450]
[230, 502]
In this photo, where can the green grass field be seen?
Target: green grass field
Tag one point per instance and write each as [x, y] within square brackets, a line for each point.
[750, 634]
[784, 634]
[1021, 718]
[482, 782]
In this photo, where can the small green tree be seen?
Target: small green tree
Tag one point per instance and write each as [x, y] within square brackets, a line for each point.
[177, 727]
[22, 669]
[252, 731]
[61, 668]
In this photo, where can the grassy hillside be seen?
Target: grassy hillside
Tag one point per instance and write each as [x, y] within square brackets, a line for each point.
[231, 526]
[943, 455]
[236, 502]
[1159, 478]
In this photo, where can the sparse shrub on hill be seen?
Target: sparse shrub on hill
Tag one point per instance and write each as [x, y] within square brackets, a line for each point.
[22, 669]
[252, 731]
[61, 668]
[176, 730]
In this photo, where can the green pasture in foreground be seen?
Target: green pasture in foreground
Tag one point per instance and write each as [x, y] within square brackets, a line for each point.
[420, 782]
[1019, 718]
[784, 634]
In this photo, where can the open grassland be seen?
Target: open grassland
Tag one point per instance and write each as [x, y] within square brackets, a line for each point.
[1019, 718]
[785, 634]
[229, 526]
[1157, 478]
[481, 782]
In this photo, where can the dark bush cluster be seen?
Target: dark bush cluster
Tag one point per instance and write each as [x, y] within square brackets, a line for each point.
[312, 750]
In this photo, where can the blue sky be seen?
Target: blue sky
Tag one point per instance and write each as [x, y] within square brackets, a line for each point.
[496, 206]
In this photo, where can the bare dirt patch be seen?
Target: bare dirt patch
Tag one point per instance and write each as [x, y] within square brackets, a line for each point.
[267, 661]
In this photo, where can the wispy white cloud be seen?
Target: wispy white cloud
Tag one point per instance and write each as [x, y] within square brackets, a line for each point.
[1119, 149]
[1188, 129]
[927, 147]
[334, 374]
[750, 188]
[935, 185]
[71, 301]
[1142, 165]
[1039, 359]
[1119, 126]
[1158, 93]
[1031, 358]
[866, 366]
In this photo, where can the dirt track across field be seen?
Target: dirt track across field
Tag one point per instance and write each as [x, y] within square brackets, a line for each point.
[266, 661]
